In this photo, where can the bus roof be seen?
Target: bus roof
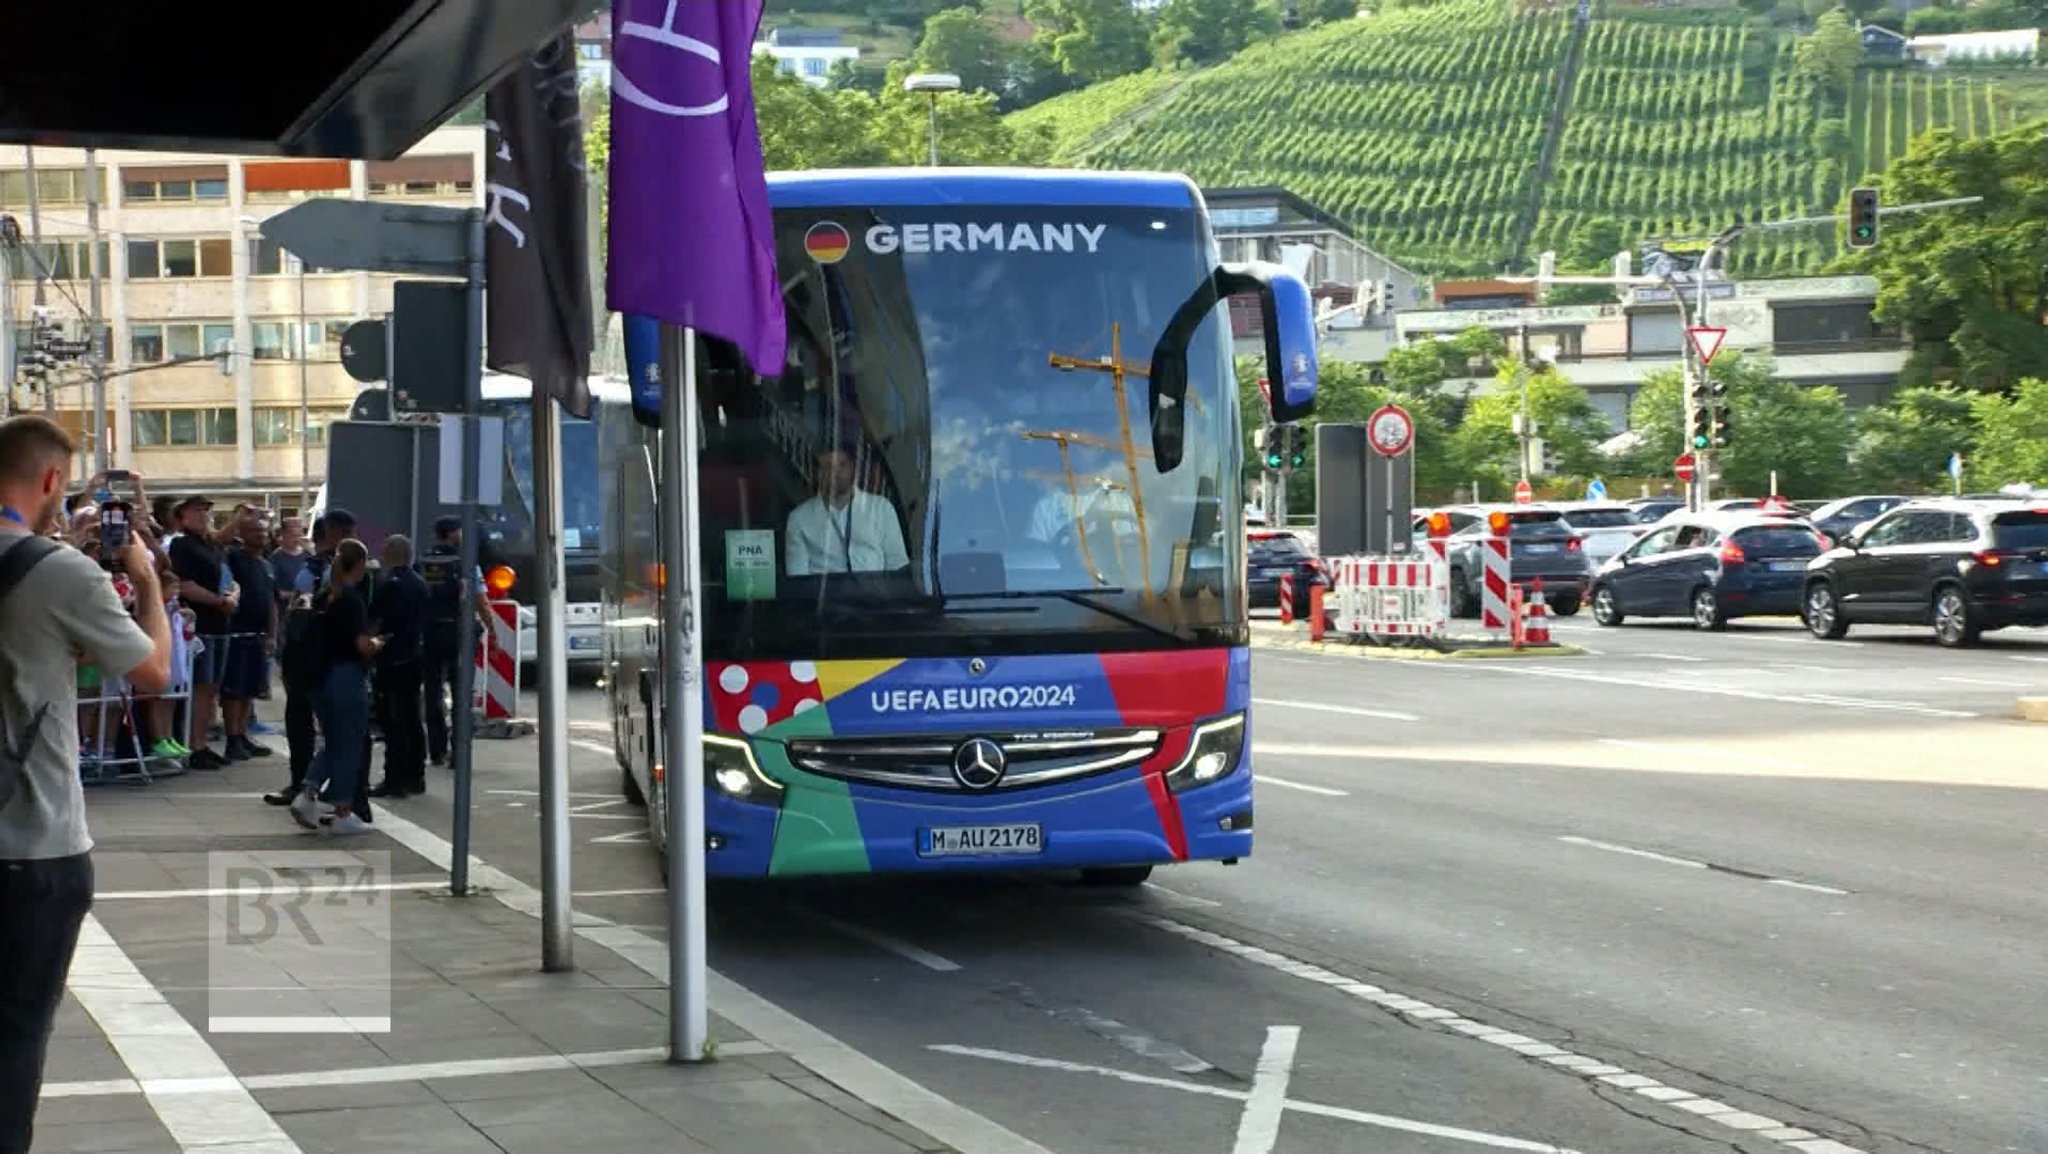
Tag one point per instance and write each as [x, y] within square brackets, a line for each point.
[506, 387]
[928, 187]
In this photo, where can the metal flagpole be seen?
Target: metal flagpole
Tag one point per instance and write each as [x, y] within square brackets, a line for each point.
[683, 701]
[557, 937]
[35, 239]
[464, 736]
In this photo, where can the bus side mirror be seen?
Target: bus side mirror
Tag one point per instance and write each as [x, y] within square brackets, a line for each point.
[1288, 312]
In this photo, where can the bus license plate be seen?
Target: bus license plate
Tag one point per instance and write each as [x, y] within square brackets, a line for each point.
[968, 840]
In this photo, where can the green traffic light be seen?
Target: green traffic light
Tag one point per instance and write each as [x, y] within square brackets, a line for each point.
[1699, 441]
[1273, 460]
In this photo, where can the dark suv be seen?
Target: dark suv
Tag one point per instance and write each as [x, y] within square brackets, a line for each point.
[1270, 554]
[1541, 545]
[1961, 566]
[1710, 567]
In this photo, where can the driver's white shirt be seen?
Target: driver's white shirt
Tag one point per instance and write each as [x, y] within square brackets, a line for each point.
[1054, 512]
[863, 537]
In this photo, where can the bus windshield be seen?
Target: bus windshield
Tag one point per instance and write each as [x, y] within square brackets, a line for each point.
[959, 454]
[511, 524]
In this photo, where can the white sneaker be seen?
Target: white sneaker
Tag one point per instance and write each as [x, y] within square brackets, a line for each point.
[305, 808]
[348, 824]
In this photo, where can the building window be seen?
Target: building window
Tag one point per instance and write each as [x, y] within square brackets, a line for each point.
[179, 340]
[154, 259]
[53, 186]
[271, 341]
[179, 428]
[276, 426]
[172, 191]
[443, 189]
[814, 66]
[62, 260]
[316, 432]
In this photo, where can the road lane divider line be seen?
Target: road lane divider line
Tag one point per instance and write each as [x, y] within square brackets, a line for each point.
[1720, 690]
[1993, 683]
[1177, 896]
[2023, 657]
[911, 1102]
[1109, 1029]
[187, 1084]
[1585, 1067]
[1672, 656]
[593, 747]
[889, 942]
[1699, 754]
[1258, 1128]
[1319, 790]
[1698, 864]
[1360, 1117]
[1795, 640]
[1349, 710]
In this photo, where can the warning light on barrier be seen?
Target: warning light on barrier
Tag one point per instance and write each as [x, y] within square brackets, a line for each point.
[499, 580]
[1497, 523]
[1439, 524]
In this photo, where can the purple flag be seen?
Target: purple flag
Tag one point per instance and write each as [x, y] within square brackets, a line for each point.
[691, 238]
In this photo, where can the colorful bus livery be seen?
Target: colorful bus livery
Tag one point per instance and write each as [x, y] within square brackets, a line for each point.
[972, 577]
[824, 782]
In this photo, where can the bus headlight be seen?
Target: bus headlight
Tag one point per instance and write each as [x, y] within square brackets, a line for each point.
[730, 768]
[1214, 751]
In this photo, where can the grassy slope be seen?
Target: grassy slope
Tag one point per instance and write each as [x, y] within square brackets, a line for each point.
[1420, 126]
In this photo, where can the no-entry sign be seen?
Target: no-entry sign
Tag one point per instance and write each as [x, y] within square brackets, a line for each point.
[1523, 493]
[1685, 467]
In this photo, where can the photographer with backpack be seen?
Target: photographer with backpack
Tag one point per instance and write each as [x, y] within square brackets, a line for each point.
[57, 607]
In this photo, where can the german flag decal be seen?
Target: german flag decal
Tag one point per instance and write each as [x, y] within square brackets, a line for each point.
[827, 242]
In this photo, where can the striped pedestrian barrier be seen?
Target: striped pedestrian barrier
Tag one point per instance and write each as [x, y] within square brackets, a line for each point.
[495, 694]
[1381, 596]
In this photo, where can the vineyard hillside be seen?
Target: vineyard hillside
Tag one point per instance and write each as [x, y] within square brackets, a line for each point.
[1425, 127]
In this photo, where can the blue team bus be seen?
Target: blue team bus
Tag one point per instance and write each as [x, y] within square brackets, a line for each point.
[974, 576]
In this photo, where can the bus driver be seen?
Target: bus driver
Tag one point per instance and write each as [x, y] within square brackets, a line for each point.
[844, 529]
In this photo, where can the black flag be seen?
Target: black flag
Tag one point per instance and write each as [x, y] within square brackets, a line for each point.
[539, 251]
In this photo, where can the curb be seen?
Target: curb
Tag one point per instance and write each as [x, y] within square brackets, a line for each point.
[1375, 653]
[2026, 708]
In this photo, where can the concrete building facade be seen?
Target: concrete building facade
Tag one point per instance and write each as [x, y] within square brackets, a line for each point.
[185, 273]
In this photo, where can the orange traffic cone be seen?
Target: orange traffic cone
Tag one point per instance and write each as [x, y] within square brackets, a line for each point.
[1536, 631]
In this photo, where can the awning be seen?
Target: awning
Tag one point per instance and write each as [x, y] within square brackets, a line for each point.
[365, 79]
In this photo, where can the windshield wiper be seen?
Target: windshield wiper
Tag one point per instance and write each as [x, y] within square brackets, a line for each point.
[1081, 597]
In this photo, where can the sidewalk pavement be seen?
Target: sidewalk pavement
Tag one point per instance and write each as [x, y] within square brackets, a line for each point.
[483, 1052]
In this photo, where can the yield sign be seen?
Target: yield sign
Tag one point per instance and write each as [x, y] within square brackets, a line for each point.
[1706, 341]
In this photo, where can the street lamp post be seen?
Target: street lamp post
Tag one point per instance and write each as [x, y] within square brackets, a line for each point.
[931, 84]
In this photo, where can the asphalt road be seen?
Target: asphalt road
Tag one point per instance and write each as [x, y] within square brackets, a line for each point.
[1792, 883]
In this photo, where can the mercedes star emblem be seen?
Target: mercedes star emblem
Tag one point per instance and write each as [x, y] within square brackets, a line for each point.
[979, 763]
[977, 667]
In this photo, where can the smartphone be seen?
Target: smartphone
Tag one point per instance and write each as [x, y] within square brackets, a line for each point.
[118, 477]
[113, 533]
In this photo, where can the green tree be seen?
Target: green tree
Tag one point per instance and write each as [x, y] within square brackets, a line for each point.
[2012, 438]
[1346, 394]
[1831, 137]
[1570, 426]
[972, 130]
[1309, 13]
[1206, 31]
[1804, 434]
[1092, 40]
[1830, 56]
[1903, 447]
[1968, 285]
[962, 42]
[1418, 369]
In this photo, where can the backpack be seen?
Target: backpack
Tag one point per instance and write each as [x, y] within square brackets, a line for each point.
[15, 565]
[299, 658]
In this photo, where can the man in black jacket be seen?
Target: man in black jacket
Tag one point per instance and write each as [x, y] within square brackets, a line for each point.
[399, 614]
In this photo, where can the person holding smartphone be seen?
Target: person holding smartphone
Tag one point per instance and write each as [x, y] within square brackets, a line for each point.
[346, 649]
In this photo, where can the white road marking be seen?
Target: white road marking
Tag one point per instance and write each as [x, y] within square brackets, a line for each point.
[298, 1024]
[781, 1031]
[594, 747]
[2018, 657]
[1651, 855]
[632, 893]
[624, 837]
[1176, 895]
[1258, 1128]
[230, 892]
[1699, 687]
[1796, 640]
[1429, 1016]
[534, 793]
[160, 1047]
[1695, 753]
[1361, 1117]
[415, 1072]
[1993, 683]
[1672, 656]
[1285, 784]
[1692, 863]
[1136, 1041]
[1807, 668]
[894, 945]
[1351, 710]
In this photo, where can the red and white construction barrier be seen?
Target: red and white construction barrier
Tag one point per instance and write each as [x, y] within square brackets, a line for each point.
[496, 694]
[1390, 596]
[1495, 615]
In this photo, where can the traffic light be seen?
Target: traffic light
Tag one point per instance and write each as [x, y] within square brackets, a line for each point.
[1702, 425]
[1718, 434]
[1863, 218]
[1297, 446]
[1269, 445]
